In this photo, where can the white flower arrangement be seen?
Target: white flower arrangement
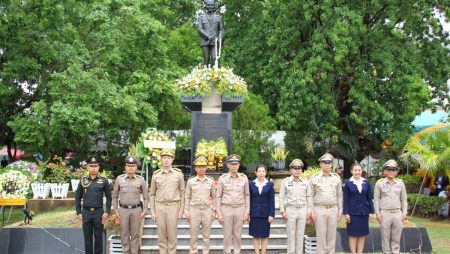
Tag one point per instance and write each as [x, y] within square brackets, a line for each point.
[201, 79]
[14, 184]
[28, 168]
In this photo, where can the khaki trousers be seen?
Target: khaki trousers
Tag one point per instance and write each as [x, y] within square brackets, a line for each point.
[130, 229]
[295, 229]
[391, 231]
[326, 226]
[200, 217]
[166, 221]
[232, 228]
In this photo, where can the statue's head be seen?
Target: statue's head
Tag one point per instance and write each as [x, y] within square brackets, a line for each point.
[210, 5]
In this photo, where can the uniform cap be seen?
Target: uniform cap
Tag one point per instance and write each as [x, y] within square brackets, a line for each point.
[296, 163]
[326, 157]
[167, 152]
[390, 164]
[233, 159]
[92, 160]
[201, 161]
[131, 160]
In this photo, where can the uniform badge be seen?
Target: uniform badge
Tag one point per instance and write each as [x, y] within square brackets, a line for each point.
[85, 182]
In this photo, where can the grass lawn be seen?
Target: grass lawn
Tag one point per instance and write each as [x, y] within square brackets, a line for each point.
[438, 231]
[60, 218]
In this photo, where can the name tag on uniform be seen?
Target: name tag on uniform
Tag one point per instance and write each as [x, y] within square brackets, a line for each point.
[100, 181]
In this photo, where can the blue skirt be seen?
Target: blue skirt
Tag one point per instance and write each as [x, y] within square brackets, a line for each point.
[259, 227]
[358, 226]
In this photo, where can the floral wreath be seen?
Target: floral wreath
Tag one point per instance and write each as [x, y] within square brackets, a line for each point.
[149, 147]
[201, 79]
[14, 184]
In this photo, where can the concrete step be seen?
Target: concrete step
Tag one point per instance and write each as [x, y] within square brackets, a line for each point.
[245, 249]
[215, 240]
[216, 229]
[148, 221]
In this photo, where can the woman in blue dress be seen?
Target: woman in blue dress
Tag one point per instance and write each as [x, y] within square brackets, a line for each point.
[357, 207]
[262, 208]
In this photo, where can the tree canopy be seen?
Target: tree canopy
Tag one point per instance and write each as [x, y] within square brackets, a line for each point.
[72, 70]
[343, 74]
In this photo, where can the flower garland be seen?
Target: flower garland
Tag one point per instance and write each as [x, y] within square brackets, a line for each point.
[201, 79]
[14, 184]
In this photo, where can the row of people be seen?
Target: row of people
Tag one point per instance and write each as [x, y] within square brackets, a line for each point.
[322, 200]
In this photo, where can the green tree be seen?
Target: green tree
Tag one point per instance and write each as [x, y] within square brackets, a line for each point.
[430, 151]
[252, 129]
[71, 71]
[347, 74]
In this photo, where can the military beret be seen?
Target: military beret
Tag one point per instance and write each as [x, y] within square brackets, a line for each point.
[326, 157]
[131, 160]
[296, 163]
[390, 164]
[92, 160]
[201, 161]
[233, 159]
[167, 152]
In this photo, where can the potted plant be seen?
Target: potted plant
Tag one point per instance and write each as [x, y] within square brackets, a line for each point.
[113, 225]
[279, 158]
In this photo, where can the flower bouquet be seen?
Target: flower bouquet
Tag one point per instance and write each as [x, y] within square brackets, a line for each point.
[213, 150]
[14, 184]
[201, 79]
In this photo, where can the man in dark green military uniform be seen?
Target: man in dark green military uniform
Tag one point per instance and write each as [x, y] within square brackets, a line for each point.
[91, 214]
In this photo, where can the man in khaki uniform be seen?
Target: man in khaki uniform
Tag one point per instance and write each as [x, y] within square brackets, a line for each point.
[167, 202]
[232, 204]
[128, 206]
[199, 204]
[391, 207]
[326, 192]
[295, 196]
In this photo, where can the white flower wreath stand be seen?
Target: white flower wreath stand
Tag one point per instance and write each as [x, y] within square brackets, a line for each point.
[59, 190]
[74, 183]
[40, 190]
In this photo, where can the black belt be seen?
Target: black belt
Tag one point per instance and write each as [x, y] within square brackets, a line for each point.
[92, 208]
[130, 206]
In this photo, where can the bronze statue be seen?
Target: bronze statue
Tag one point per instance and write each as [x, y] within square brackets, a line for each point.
[210, 28]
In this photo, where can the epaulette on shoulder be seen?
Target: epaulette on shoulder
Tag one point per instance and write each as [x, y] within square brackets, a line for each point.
[381, 179]
[191, 177]
[242, 174]
[334, 174]
[177, 169]
[316, 174]
[210, 177]
[224, 175]
[138, 176]
[400, 180]
[157, 171]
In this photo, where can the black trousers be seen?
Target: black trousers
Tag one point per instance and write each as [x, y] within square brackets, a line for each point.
[92, 226]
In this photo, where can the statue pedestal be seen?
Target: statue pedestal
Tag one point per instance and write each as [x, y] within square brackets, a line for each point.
[208, 122]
